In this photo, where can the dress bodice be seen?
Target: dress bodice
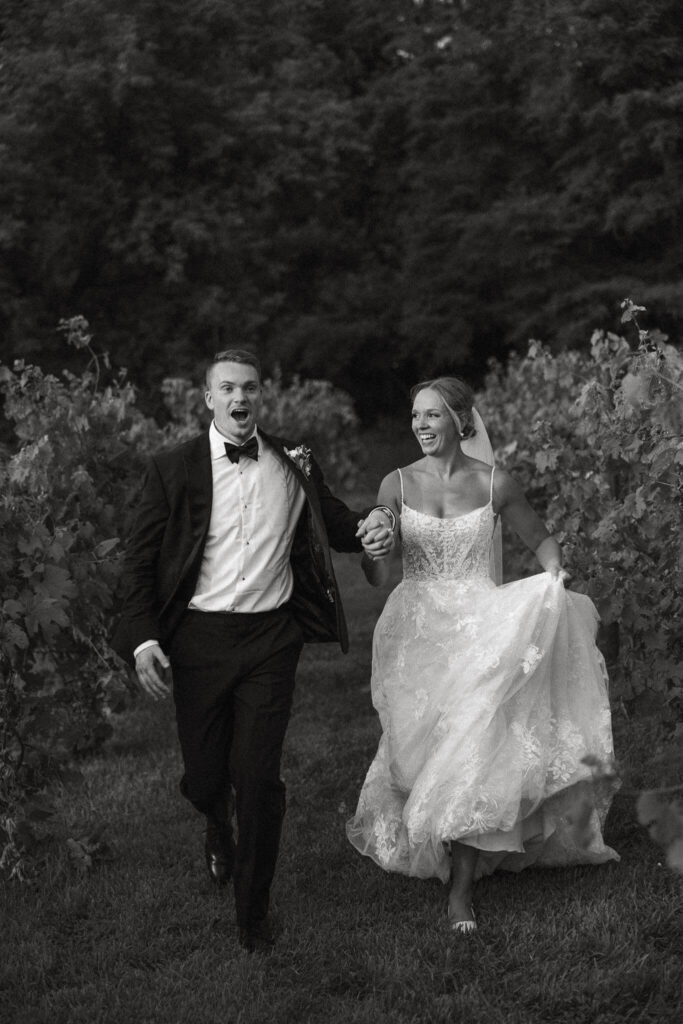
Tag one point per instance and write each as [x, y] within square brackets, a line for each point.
[453, 548]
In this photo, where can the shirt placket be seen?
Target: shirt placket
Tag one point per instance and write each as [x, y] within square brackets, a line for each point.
[246, 481]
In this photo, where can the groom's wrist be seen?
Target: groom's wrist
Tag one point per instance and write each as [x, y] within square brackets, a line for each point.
[143, 646]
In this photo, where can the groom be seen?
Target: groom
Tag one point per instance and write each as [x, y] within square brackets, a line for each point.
[227, 573]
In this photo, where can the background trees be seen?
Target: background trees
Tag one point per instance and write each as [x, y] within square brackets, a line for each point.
[366, 192]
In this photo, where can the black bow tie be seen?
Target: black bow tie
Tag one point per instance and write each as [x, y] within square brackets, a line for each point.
[250, 449]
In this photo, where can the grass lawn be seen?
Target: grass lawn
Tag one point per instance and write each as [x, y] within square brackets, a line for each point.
[142, 936]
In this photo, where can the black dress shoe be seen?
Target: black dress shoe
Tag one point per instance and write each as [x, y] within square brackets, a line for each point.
[258, 937]
[219, 850]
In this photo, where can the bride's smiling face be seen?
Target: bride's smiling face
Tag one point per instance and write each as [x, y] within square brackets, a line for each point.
[432, 423]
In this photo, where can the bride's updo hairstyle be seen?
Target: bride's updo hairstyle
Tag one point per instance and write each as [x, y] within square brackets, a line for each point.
[458, 398]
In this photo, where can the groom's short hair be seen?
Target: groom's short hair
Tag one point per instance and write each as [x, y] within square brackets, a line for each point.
[233, 355]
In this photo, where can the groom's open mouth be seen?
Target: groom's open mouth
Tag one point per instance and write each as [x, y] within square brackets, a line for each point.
[240, 415]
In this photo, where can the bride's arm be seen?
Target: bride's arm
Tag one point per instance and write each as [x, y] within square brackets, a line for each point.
[510, 502]
[377, 569]
[549, 554]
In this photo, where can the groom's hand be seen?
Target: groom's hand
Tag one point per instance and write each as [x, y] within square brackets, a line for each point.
[148, 663]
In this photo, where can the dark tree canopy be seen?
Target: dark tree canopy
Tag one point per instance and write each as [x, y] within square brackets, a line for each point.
[363, 191]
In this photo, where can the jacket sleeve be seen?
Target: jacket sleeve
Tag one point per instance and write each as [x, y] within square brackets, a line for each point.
[341, 522]
[139, 620]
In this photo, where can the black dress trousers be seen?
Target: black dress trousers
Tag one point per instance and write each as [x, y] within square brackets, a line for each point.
[233, 683]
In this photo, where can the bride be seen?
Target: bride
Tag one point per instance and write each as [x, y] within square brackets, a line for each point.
[488, 696]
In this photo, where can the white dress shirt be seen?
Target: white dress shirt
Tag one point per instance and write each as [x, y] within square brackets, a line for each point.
[256, 506]
[254, 512]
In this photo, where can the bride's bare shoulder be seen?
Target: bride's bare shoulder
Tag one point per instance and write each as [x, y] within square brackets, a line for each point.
[477, 466]
[390, 489]
[392, 485]
[505, 487]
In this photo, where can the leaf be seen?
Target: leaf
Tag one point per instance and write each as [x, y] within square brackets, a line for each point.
[105, 546]
[546, 460]
[13, 608]
[31, 543]
[14, 636]
[57, 583]
[44, 615]
[85, 850]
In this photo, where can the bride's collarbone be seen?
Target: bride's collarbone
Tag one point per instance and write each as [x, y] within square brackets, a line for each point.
[439, 512]
[432, 496]
[442, 508]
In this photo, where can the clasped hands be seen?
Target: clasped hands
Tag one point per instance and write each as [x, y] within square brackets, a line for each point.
[376, 536]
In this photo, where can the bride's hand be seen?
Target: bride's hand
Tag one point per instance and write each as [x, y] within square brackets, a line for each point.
[559, 574]
[376, 536]
[377, 542]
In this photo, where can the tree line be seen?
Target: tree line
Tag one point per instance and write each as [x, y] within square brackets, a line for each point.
[361, 191]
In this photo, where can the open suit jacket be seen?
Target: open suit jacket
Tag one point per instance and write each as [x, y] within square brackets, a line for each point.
[164, 555]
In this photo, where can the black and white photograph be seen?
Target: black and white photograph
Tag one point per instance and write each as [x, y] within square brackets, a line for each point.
[341, 511]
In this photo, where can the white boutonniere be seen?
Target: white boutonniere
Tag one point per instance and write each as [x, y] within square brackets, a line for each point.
[301, 455]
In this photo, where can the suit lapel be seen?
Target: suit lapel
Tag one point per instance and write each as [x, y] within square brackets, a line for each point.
[197, 459]
[309, 488]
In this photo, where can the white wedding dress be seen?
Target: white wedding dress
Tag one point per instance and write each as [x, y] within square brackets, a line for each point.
[489, 697]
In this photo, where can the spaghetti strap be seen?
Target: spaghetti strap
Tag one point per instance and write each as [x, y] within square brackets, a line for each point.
[400, 476]
[493, 469]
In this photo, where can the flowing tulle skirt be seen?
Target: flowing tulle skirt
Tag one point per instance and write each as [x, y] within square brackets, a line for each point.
[489, 698]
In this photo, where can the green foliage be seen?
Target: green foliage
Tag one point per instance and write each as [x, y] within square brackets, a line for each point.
[595, 440]
[65, 495]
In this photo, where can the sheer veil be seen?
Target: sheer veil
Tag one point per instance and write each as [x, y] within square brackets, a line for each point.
[479, 447]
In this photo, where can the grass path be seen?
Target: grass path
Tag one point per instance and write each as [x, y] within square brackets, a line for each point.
[142, 937]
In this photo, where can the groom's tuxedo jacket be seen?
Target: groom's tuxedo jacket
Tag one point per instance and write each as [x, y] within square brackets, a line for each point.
[164, 554]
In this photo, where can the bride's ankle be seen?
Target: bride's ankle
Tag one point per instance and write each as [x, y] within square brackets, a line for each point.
[460, 902]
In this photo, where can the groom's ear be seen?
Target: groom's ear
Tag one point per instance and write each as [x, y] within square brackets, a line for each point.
[208, 398]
